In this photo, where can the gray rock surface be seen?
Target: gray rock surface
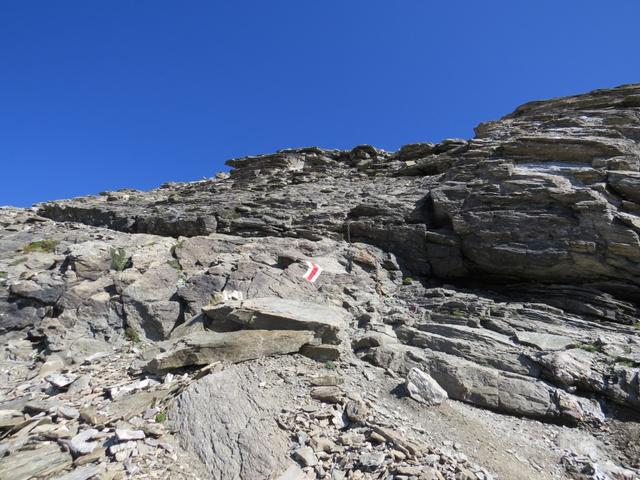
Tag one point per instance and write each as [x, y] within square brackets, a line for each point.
[238, 437]
[45, 460]
[205, 348]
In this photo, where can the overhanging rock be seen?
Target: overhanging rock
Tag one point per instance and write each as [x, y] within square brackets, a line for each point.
[273, 313]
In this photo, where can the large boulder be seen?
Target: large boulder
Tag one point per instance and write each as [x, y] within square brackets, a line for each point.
[272, 313]
[204, 348]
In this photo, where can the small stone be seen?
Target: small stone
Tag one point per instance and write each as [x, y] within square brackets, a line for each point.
[92, 417]
[371, 460]
[94, 456]
[122, 455]
[424, 389]
[351, 438]
[68, 412]
[155, 430]
[303, 438]
[409, 470]
[118, 392]
[124, 435]
[356, 411]
[397, 454]
[431, 459]
[305, 456]
[60, 380]
[321, 353]
[35, 406]
[323, 444]
[53, 364]
[83, 382]
[330, 394]
[338, 475]
[80, 445]
[122, 447]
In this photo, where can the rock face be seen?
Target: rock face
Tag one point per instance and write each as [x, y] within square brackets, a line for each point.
[504, 269]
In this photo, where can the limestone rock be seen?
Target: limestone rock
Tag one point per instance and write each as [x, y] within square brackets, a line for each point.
[424, 389]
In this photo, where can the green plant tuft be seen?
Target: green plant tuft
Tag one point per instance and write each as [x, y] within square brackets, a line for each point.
[591, 347]
[330, 365]
[47, 246]
[120, 260]
[175, 264]
[132, 335]
[175, 247]
[161, 417]
[407, 281]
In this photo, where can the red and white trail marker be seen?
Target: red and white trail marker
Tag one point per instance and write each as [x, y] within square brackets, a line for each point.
[313, 272]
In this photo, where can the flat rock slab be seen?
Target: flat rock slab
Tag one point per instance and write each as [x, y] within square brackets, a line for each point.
[44, 460]
[273, 313]
[230, 424]
[82, 473]
[129, 406]
[205, 348]
[545, 341]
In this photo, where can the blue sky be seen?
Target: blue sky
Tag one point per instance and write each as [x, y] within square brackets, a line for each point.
[104, 95]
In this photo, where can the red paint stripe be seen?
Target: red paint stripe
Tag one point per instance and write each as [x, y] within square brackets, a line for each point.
[314, 270]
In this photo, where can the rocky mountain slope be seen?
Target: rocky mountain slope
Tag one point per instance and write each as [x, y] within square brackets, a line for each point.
[476, 314]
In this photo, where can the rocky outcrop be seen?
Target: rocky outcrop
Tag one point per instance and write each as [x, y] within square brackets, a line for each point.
[504, 268]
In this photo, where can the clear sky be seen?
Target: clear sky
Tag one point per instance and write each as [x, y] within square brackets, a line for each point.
[101, 95]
